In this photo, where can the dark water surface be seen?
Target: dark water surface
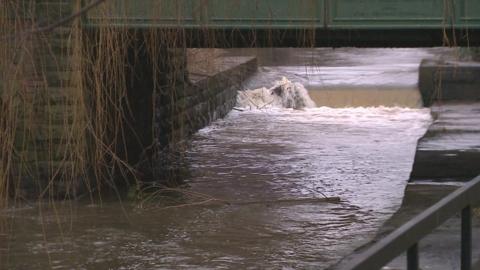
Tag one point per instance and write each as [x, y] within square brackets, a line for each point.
[274, 166]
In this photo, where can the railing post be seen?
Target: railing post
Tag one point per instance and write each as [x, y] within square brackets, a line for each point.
[412, 257]
[466, 250]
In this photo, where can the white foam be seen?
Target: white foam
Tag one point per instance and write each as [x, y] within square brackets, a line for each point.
[284, 94]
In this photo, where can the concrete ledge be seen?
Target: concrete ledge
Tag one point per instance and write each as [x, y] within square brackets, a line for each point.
[449, 81]
[450, 150]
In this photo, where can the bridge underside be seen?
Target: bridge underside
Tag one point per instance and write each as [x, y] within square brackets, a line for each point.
[258, 38]
[240, 38]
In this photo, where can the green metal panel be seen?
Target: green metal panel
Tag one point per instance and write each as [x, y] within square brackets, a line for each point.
[468, 14]
[291, 14]
[266, 13]
[386, 14]
[165, 13]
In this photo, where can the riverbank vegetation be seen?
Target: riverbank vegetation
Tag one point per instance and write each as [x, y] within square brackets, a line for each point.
[66, 120]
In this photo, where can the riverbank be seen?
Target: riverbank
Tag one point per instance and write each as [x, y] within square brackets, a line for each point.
[213, 80]
[439, 250]
[450, 150]
[275, 166]
[446, 156]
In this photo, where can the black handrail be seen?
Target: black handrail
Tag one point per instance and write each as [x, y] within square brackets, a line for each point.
[406, 237]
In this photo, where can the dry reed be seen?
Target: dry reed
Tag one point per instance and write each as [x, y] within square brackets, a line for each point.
[66, 121]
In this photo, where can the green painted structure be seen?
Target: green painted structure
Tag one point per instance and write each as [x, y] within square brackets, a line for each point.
[289, 23]
[294, 14]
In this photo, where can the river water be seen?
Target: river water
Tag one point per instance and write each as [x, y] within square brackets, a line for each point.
[257, 179]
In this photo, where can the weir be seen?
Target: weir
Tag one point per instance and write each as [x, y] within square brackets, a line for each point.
[366, 97]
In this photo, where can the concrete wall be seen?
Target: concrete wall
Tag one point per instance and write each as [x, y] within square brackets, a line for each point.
[450, 149]
[449, 81]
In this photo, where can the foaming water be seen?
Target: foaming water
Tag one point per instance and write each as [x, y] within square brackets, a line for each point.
[343, 87]
[349, 77]
[362, 155]
[284, 94]
[285, 160]
[319, 143]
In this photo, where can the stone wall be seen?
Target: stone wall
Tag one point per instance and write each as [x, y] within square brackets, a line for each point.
[165, 102]
[168, 98]
[208, 93]
[46, 100]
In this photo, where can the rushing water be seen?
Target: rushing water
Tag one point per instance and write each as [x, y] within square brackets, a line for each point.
[273, 165]
[284, 94]
[349, 77]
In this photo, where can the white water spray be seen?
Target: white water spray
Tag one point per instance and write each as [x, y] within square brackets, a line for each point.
[284, 94]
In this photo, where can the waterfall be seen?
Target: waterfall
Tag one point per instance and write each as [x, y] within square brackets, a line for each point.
[284, 94]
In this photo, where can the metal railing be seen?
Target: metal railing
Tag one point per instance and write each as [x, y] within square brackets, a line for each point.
[406, 237]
